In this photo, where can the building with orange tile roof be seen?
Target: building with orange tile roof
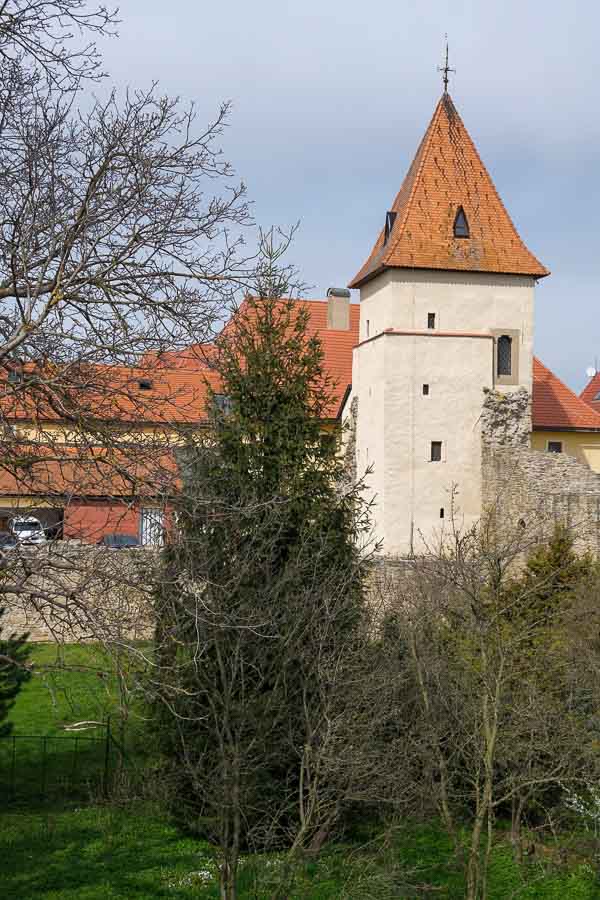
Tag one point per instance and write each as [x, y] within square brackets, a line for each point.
[447, 184]
[445, 319]
[446, 313]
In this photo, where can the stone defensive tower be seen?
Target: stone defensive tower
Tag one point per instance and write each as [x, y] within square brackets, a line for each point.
[446, 311]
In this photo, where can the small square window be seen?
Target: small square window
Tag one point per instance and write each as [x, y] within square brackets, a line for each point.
[431, 320]
[436, 451]
[555, 447]
[426, 390]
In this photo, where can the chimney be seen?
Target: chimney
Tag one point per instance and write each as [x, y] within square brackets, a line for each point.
[338, 309]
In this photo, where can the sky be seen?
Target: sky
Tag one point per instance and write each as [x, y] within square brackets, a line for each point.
[331, 98]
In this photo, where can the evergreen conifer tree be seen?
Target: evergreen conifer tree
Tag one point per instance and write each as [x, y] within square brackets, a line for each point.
[14, 654]
[263, 586]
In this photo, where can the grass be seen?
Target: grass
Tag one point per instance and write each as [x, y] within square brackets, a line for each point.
[117, 854]
[70, 684]
[103, 852]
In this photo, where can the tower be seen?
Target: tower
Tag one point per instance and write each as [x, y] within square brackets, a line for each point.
[446, 310]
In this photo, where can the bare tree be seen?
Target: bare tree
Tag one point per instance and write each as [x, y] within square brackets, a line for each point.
[122, 251]
[500, 727]
[261, 602]
[39, 35]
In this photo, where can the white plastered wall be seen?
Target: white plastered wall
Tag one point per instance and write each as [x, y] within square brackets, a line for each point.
[461, 301]
[397, 423]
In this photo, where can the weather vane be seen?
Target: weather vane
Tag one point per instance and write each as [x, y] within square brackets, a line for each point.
[446, 68]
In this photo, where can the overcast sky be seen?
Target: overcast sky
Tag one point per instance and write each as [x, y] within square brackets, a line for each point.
[331, 99]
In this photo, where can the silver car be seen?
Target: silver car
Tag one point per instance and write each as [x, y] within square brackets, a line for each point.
[27, 530]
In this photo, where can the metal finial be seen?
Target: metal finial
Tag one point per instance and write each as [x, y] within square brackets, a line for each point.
[446, 68]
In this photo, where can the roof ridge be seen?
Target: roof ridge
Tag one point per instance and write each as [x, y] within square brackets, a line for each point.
[579, 407]
[423, 150]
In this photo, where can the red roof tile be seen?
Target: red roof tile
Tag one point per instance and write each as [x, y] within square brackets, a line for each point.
[591, 392]
[177, 392]
[446, 174]
[89, 472]
[154, 395]
[337, 349]
[556, 406]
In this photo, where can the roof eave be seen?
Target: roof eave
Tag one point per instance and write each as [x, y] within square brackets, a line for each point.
[358, 281]
[590, 429]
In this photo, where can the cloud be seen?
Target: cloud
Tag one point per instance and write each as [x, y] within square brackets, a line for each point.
[331, 99]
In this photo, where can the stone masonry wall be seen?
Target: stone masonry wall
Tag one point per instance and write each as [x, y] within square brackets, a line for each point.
[78, 593]
[531, 487]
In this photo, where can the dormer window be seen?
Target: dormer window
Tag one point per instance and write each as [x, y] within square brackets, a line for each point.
[461, 226]
[390, 218]
[145, 384]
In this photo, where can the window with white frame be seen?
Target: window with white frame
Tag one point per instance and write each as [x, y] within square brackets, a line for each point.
[152, 527]
[436, 451]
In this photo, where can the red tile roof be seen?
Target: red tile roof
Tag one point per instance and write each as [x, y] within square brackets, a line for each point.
[155, 395]
[89, 472]
[178, 394]
[178, 383]
[556, 406]
[337, 349]
[446, 174]
[591, 391]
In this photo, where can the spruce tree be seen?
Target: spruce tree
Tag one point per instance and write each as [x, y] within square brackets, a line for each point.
[263, 586]
[553, 572]
[14, 654]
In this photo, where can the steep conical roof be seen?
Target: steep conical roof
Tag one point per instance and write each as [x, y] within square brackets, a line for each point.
[446, 176]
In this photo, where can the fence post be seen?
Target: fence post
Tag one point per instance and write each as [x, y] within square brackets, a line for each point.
[44, 755]
[107, 755]
[13, 768]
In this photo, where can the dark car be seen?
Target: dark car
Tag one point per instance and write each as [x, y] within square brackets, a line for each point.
[7, 540]
[119, 541]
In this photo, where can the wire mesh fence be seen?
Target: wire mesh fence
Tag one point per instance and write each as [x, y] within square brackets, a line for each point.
[51, 768]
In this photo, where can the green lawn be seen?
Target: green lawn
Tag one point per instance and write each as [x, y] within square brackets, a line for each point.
[70, 684]
[90, 850]
[103, 854]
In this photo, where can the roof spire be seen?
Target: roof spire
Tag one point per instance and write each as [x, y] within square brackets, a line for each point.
[446, 68]
[445, 175]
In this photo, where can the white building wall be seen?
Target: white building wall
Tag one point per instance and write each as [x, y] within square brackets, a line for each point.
[461, 301]
[369, 386]
[397, 423]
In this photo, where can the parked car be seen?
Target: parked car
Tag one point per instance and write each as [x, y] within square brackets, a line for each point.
[7, 540]
[27, 530]
[119, 541]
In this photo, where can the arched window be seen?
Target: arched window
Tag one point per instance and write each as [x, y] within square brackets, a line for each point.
[504, 355]
[461, 226]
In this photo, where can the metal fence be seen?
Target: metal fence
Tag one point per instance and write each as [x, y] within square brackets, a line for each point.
[43, 768]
